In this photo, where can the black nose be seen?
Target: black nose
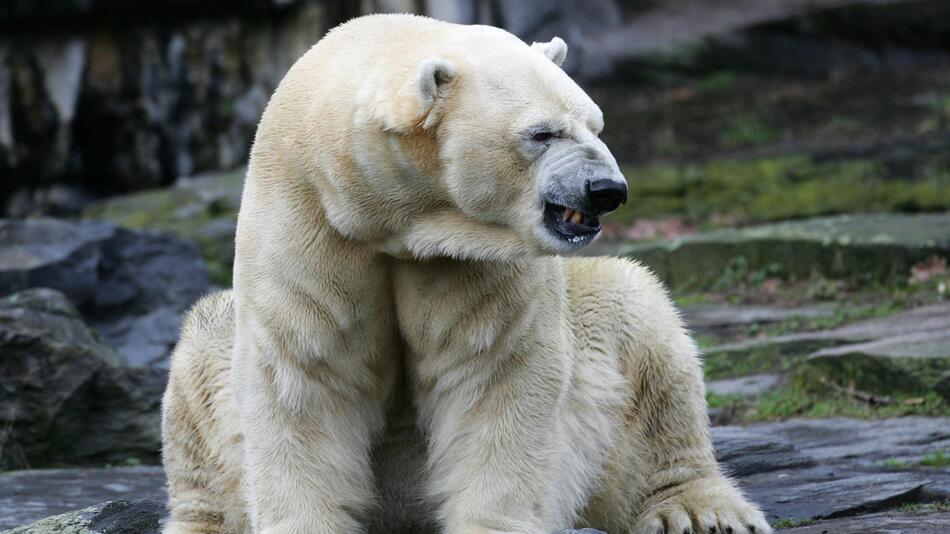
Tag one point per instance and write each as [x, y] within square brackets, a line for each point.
[606, 194]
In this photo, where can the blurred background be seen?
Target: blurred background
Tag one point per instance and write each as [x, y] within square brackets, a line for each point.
[789, 169]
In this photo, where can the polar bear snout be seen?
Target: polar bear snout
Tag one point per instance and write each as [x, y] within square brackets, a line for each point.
[580, 187]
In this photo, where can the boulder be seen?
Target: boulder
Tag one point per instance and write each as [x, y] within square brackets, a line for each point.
[131, 286]
[64, 397]
[202, 209]
[112, 517]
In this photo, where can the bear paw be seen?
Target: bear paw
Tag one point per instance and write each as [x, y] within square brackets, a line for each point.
[706, 506]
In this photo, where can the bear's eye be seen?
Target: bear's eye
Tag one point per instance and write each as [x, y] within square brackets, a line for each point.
[542, 137]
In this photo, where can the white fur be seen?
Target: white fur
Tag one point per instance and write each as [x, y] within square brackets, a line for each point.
[555, 50]
[401, 351]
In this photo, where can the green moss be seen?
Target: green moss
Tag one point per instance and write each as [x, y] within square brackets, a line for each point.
[791, 522]
[894, 463]
[926, 507]
[744, 360]
[797, 402]
[767, 189]
[746, 129]
[716, 82]
[714, 400]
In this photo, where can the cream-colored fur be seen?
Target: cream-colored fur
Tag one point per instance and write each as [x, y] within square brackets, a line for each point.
[403, 351]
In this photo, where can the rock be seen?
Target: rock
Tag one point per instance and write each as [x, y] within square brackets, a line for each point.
[807, 469]
[913, 363]
[744, 386]
[802, 37]
[33, 494]
[879, 247]
[63, 396]
[128, 98]
[821, 493]
[131, 286]
[202, 208]
[717, 315]
[746, 452]
[112, 517]
[919, 522]
[906, 353]
[727, 320]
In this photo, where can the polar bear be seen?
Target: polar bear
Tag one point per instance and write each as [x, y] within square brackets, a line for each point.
[404, 349]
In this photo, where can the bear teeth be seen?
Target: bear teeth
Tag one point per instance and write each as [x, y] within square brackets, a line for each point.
[577, 217]
[568, 212]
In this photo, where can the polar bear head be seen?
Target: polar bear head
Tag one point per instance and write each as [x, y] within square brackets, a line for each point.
[520, 167]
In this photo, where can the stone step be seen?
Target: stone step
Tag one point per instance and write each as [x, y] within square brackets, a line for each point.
[872, 247]
[908, 352]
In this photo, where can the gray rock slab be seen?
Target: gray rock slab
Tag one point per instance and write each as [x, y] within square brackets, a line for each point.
[817, 468]
[28, 496]
[707, 316]
[798, 496]
[893, 522]
[857, 443]
[745, 386]
[932, 318]
[131, 286]
[913, 345]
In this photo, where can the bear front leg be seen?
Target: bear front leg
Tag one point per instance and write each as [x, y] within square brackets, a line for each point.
[662, 475]
[489, 369]
[314, 364]
[307, 444]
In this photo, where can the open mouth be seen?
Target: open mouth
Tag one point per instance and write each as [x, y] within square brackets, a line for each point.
[570, 224]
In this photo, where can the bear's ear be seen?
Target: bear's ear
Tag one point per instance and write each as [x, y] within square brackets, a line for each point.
[418, 101]
[555, 50]
[432, 77]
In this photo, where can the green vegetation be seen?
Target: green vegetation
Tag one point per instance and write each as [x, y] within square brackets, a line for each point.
[127, 462]
[894, 463]
[716, 82]
[926, 507]
[796, 402]
[768, 189]
[746, 129]
[204, 211]
[936, 459]
[714, 400]
[791, 522]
